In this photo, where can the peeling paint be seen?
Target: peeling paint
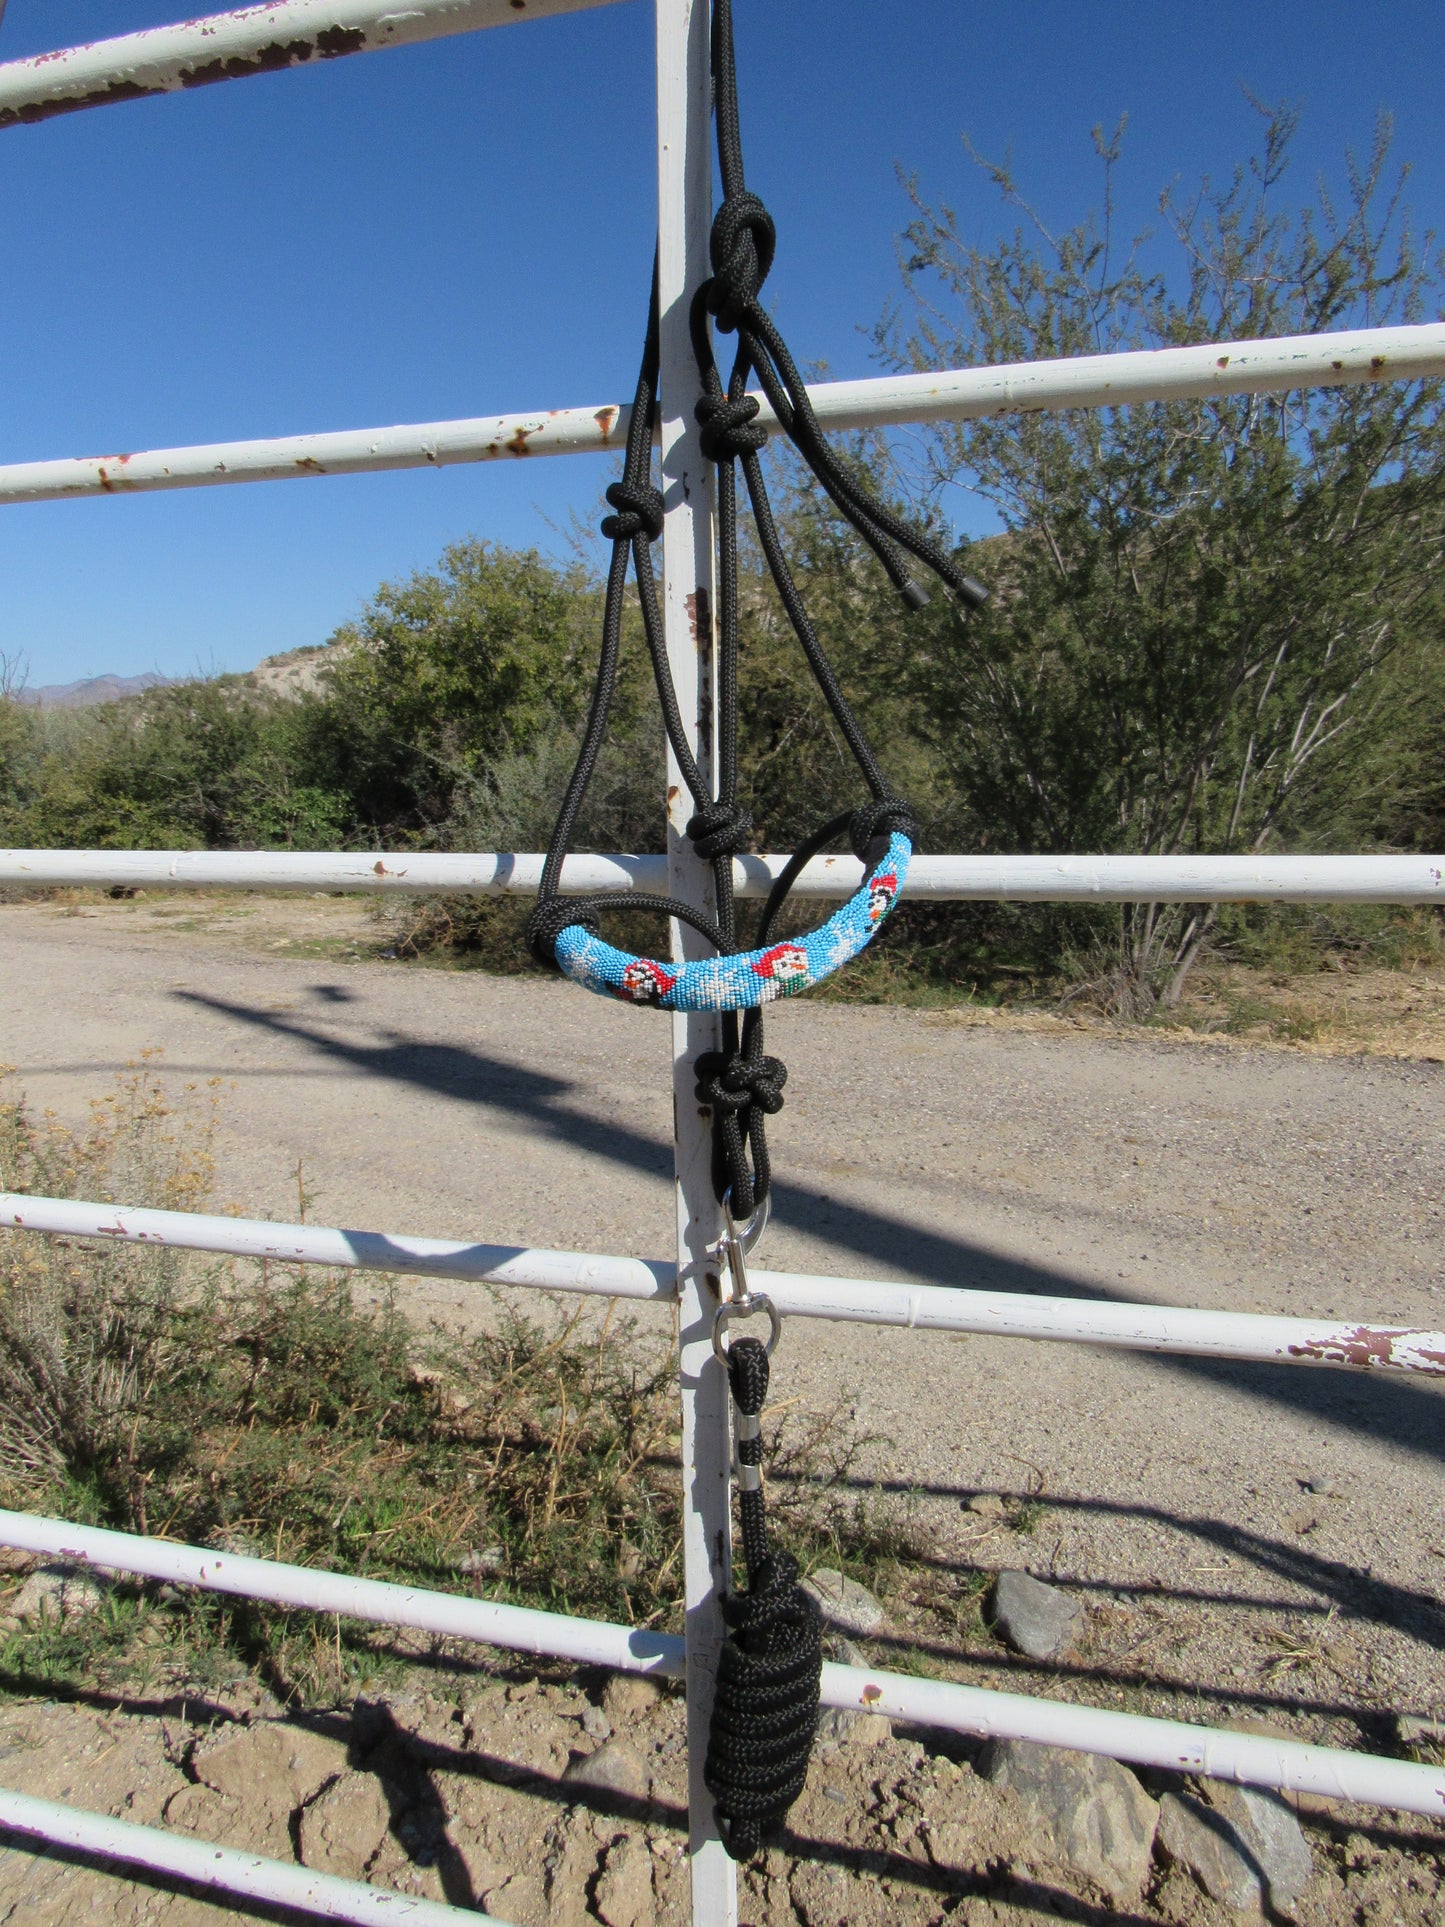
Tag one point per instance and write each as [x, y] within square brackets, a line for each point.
[1365, 1346]
[330, 44]
[518, 444]
[38, 110]
[606, 420]
[699, 615]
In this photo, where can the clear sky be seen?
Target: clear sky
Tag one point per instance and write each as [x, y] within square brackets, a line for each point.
[466, 228]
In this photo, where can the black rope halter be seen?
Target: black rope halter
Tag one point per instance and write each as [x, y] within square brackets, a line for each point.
[767, 1687]
[740, 1083]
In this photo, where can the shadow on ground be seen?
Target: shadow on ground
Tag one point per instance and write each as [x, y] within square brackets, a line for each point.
[1403, 1412]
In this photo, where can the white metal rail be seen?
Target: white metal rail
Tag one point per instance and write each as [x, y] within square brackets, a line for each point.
[251, 1876]
[934, 1703]
[1216, 368]
[931, 879]
[862, 1301]
[266, 38]
[232, 46]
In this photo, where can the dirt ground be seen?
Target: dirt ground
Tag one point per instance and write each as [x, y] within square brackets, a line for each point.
[1251, 1543]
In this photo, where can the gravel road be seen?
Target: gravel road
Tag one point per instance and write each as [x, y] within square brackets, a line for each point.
[931, 1147]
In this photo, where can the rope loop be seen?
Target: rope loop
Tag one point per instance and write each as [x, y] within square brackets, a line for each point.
[737, 1083]
[885, 816]
[719, 829]
[641, 512]
[548, 918]
[742, 245]
[730, 428]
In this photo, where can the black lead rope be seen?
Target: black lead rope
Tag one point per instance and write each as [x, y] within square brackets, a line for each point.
[766, 1704]
[767, 1687]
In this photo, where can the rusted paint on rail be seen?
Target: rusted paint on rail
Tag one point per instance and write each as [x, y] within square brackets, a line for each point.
[264, 39]
[332, 43]
[1392, 1347]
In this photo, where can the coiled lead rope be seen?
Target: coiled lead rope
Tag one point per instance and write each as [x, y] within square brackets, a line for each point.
[766, 1704]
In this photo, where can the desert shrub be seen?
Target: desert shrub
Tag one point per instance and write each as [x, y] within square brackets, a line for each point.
[92, 1335]
[299, 1415]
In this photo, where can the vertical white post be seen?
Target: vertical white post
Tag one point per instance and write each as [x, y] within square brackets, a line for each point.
[684, 188]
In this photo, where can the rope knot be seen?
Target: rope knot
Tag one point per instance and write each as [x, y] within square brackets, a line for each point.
[881, 818]
[730, 428]
[742, 245]
[549, 917]
[719, 829]
[737, 1083]
[640, 509]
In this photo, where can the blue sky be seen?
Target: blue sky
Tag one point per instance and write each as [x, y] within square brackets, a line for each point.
[466, 228]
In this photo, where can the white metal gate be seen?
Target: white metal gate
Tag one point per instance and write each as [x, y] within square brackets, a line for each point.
[260, 39]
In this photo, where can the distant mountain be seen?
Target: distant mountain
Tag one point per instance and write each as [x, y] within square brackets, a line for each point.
[92, 690]
[295, 672]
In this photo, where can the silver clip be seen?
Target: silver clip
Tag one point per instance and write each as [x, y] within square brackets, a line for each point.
[745, 1308]
[737, 1254]
[742, 1301]
[749, 1233]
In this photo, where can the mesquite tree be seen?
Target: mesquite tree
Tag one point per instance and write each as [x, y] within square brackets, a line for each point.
[1193, 598]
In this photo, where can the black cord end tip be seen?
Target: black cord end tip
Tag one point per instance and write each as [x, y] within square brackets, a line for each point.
[914, 594]
[972, 593]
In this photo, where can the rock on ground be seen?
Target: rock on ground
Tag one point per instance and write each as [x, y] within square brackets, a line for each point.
[454, 1791]
[1095, 1813]
[846, 1725]
[842, 1726]
[844, 1604]
[623, 1896]
[1274, 1837]
[278, 1755]
[629, 1696]
[1036, 1620]
[57, 1591]
[341, 1832]
[1242, 1847]
[613, 1768]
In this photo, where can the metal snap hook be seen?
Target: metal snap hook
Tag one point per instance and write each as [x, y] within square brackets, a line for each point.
[745, 1308]
[748, 1234]
[737, 1243]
